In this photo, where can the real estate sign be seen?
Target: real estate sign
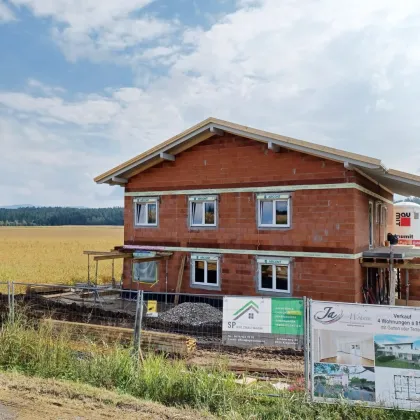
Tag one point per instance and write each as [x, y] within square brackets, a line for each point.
[365, 353]
[263, 321]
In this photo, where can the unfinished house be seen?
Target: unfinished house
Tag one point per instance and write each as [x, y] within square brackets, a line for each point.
[226, 209]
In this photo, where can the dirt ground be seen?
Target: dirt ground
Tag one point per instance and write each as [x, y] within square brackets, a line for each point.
[253, 360]
[23, 398]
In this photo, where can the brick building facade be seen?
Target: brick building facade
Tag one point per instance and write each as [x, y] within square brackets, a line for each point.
[253, 213]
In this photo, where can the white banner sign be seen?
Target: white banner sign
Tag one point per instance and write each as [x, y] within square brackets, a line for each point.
[263, 321]
[366, 353]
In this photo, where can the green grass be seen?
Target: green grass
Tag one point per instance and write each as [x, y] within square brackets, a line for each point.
[36, 351]
[399, 364]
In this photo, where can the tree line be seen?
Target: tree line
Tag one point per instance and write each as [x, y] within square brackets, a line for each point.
[58, 216]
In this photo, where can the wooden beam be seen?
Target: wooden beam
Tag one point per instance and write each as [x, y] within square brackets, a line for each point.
[118, 180]
[150, 340]
[408, 266]
[100, 252]
[112, 256]
[148, 259]
[180, 276]
[274, 147]
[167, 156]
[216, 131]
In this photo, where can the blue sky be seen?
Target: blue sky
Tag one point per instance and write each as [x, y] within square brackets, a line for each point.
[85, 85]
[392, 338]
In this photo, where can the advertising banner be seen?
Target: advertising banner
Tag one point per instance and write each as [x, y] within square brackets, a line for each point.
[365, 353]
[263, 321]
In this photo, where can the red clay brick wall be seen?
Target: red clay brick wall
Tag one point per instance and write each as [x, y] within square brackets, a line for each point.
[232, 161]
[322, 221]
[362, 222]
[318, 278]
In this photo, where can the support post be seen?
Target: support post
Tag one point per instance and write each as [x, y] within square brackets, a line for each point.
[306, 342]
[392, 279]
[113, 274]
[407, 287]
[88, 270]
[166, 283]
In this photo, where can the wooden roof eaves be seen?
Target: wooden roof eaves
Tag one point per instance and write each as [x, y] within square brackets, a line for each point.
[361, 161]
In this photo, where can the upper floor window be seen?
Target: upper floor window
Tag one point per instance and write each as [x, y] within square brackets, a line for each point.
[145, 211]
[370, 224]
[273, 275]
[205, 270]
[273, 210]
[203, 210]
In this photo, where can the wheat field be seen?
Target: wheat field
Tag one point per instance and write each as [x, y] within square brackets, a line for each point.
[54, 254]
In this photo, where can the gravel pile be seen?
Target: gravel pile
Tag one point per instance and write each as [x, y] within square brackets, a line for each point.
[192, 314]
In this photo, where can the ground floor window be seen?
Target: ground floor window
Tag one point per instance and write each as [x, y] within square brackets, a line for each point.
[273, 275]
[145, 272]
[205, 270]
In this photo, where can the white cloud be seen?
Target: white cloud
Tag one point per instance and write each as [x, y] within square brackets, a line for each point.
[6, 14]
[338, 73]
[95, 29]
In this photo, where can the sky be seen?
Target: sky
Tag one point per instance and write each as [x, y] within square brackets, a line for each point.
[87, 84]
[391, 338]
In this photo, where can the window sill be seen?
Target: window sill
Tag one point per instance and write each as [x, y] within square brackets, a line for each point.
[205, 286]
[266, 292]
[145, 226]
[273, 227]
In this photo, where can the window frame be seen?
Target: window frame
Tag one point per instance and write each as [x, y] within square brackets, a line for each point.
[274, 198]
[203, 200]
[205, 259]
[146, 201]
[378, 214]
[274, 262]
[371, 224]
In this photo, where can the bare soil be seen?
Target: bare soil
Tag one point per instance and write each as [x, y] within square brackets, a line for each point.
[26, 398]
[253, 360]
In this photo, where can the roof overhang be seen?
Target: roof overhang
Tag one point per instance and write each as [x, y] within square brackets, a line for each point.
[395, 181]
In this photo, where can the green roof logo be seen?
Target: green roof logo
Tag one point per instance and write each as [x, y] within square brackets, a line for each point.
[250, 306]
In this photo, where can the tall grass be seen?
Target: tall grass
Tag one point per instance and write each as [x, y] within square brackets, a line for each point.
[36, 350]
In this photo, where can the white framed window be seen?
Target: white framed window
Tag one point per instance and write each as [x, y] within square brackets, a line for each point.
[273, 210]
[146, 211]
[203, 210]
[145, 272]
[378, 212]
[384, 220]
[370, 221]
[205, 270]
[274, 275]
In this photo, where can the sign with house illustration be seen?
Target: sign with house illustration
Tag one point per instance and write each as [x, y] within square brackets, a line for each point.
[263, 321]
[365, 353]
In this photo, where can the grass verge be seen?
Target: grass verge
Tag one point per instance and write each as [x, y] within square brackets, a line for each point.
[36, 351]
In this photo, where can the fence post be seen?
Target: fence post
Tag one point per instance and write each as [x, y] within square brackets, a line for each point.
[12, 306]
[137, 325]
[9, 299]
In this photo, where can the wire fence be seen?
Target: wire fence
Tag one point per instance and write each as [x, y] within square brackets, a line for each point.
[179, 324]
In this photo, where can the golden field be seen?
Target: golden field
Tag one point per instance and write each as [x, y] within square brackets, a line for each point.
[54, 254]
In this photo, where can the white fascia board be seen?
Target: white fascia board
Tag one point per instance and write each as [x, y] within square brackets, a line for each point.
[157, 153]
[303, 149]
[258, 253]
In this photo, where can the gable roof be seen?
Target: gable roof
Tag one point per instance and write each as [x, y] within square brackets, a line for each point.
[398, 182]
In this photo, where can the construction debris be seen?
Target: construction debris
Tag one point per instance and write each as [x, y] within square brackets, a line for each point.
[192, 314]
